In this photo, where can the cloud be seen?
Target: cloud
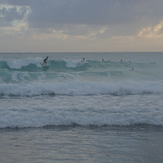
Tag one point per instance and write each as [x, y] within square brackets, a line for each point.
[54, 13]
[83, 17]
[91, 21]
[9, 14]
[152, 32]
[78, 11]
[49, 13]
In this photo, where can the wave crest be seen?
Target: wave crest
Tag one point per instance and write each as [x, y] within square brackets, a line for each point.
[37, 117]
[80, 88]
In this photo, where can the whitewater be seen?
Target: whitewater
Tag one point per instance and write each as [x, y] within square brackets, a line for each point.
[108, 108]
[68, 91]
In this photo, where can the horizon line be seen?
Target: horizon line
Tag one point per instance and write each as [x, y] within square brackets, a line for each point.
[94, 52]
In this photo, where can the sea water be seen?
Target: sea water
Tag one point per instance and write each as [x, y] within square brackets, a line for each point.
[74, 111]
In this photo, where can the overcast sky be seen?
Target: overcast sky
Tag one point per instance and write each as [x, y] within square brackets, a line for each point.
[81, 25]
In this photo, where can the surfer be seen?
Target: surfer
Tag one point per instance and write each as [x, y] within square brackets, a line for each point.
[132, 69]
[45, 61]
[83, 60]
[102, 60]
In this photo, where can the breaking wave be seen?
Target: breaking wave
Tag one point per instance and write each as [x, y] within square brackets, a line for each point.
[41, 117]
[30, 78]
[80, 88]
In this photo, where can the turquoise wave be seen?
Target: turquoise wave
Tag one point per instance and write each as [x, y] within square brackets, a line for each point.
[60, 77]
[61, 65]
[38, 66]
[26, 71]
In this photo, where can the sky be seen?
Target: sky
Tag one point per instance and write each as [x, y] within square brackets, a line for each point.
[81, 25]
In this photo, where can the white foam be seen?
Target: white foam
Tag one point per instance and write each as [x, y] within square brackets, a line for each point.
[73, 63]
[82, 88]
[19, 63]
[39, 117]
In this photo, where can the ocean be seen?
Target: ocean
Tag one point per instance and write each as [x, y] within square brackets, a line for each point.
[107, 108]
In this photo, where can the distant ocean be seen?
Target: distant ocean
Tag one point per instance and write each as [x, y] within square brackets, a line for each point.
[71, 110]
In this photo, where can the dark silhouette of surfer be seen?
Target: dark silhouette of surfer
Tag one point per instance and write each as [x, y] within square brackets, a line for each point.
[132, 69]
[83, 60]
[45, 61]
